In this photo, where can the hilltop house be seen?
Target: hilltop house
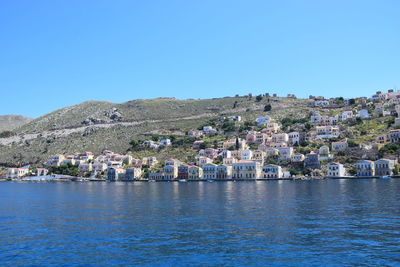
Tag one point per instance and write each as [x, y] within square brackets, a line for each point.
[327, 131]
[340, 145]
[246, 154]
[285, 153]
[55, 160]
[294, 138]
[363, 114]
[311, 161]
[165, 142]
[201, 160]
[258, 156]
[394, 136]
[280, 138]
[382, 139]
[321, 103]
[195, 133]
[297, 159]
[229, 161]
[324, 153]
[346, 115]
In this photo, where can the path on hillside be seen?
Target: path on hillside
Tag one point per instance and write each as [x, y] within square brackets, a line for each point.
[57, 133]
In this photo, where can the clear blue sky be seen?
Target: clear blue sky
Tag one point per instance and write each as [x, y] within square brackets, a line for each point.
[57, 53]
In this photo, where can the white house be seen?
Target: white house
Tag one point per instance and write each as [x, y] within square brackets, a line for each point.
[165, 142]
[363, 114]
[341, 145]
[384, 167]
[210, 171]
[272, 171]
[246, 154]
[336, 170]
[245, 169]
[285, 153]
[365, 168]
[294, 138]
[321, 103]
[17, 172]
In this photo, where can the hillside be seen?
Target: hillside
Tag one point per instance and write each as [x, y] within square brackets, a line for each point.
[11, 122]
[95, 126]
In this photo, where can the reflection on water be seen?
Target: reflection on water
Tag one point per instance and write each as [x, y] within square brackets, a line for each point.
[326, 222]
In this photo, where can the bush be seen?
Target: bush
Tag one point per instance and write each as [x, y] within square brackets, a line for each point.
[390, 148]
[228, 126]
[267, 107]
[6, 134]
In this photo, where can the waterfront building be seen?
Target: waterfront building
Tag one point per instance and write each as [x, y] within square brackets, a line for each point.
[132, 174]
[85, 167]
[272, 171]
[41, 171]
[17, 172]
[384, 167]
[183, 172]
[224, 172]
[336, 170]
[115, 174]
[195, 172]
[210, 171]
[170, 172]
[246, 169]
[156, 176]
[365, 168]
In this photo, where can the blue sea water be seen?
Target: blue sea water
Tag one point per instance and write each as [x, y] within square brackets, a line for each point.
[282, 223]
